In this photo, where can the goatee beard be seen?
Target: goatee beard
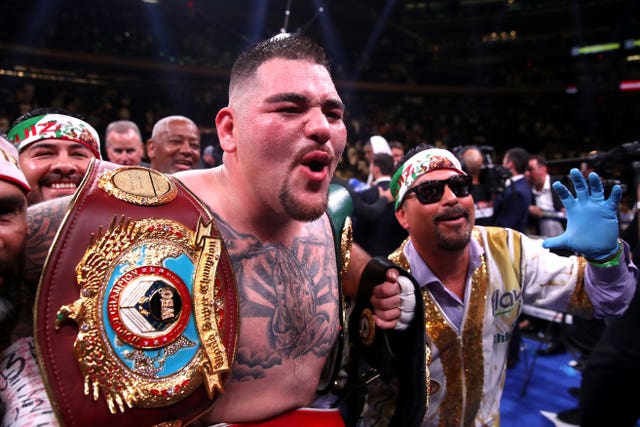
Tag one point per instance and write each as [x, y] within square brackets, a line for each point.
[299, 211]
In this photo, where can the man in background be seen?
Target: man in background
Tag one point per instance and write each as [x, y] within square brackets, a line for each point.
[123, 143]
[546, 212]
[375, 144]
[397, 151]
[511, 210]
[174, 145]
[472, 162]
[209, 159]
[547, 218]
[378, 231]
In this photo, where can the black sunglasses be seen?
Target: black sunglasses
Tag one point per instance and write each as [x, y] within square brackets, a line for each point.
[431, 191]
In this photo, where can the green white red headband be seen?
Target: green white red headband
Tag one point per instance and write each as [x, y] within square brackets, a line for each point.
[419, 164]
[55, 126]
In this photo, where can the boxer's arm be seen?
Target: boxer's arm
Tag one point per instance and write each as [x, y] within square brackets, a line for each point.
[359, 259]
[43, 220]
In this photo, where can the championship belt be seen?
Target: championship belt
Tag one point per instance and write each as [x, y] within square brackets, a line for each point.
[137, 312]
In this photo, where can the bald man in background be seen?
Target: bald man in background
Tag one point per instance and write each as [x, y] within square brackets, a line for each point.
[174, 145]
[473, 161]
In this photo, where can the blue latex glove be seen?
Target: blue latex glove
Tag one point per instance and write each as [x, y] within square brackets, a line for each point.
[592, 221]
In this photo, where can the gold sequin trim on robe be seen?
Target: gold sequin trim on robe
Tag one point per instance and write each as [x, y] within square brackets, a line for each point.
[444, 337]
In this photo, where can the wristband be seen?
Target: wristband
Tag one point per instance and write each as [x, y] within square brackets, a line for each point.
[407, 304]
[611, 261]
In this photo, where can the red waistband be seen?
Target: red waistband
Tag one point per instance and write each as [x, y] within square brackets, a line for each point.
[307, 417]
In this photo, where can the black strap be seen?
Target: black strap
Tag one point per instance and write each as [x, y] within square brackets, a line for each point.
[389, 354]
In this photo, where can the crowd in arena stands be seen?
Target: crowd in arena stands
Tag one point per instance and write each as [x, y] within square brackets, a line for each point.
[549, 130]
[137, 34]
[554, 124]
[436, 122]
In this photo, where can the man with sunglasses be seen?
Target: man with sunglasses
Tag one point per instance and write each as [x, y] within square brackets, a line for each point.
[475, 280]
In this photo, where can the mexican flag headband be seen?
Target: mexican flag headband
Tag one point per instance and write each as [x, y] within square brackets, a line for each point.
[419, 164]
[54, 126]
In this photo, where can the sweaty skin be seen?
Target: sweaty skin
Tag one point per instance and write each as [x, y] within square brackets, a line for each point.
[279, 238]
[284, 258]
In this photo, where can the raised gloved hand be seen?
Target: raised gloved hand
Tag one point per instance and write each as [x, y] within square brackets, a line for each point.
[592, 221]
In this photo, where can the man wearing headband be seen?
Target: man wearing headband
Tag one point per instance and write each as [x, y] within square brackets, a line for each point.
[24, 387]
[55, 149]
[475, 279]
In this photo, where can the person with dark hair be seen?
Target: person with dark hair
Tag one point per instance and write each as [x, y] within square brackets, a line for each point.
[511, 208]
[209, 158]
[547, 218]
[55, 148]
[397, 150]
[546, 211]
[377, 231]
[258, 249]
[475, 280]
